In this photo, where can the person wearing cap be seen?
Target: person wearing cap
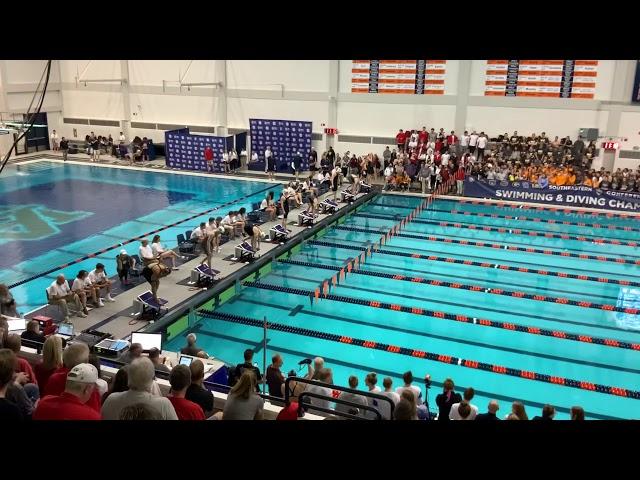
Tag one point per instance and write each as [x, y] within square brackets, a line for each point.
[124, 264]
[71, 404]
[192, 349]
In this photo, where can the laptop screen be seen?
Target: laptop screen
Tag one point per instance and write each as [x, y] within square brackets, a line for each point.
[65, 329]
[17, 324]
[185, 360]
[147, 340]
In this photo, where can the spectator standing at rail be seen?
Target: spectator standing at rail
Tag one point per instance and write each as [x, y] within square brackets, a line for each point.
[467, 397]
[208, 158]
[459, 176]
[54, 141]
[64, 148]
[481, 144]
[269, 164]
[401, 138]
[275, 378]
[446, 399]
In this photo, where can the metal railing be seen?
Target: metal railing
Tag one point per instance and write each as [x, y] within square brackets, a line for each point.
[377, 396]
[309, 406]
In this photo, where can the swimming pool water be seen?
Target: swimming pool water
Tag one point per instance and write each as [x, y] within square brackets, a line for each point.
[549, 355]
[53, 213]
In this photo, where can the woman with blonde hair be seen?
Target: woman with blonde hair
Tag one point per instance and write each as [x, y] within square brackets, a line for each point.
[243, 403]
[517, 410]
[51, 360]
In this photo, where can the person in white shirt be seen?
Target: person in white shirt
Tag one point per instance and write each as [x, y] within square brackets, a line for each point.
[160, 253]
[83, 288]
[444, 159]
[482, 144]
[122, 139]
[464, 143]
[387, 383]
[146, 253]
[225, 161]
[99, 280]
[233, 160]
[353, 398]
[383, 407]
[254, 157]
[473, 141]
[198, 235]
[54, 141]
[467, 397]
[269, 206]
[228, 222]
[60, 294]
[408, 379]
[323, 375]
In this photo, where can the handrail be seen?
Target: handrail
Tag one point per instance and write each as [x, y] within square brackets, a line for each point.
[339, 388]
[302, 406]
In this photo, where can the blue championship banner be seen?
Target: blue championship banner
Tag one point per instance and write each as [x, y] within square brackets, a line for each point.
[185, 151]
[286, 137]
[573, 196]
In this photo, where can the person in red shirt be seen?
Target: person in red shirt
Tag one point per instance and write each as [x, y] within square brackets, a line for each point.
[423, 135]
[74, 354]
[452, 140]
[208, 157]
[401, 138]
[51, 360]
[71, 404]
[180, 379]
[289, 412]
[14, 343]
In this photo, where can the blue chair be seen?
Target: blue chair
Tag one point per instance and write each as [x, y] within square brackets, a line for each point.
[187, 234]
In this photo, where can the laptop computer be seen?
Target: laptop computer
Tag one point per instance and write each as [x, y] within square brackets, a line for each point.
[65, 330]
[16, 324]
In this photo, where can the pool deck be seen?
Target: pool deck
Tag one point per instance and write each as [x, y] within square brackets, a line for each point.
[115, 318]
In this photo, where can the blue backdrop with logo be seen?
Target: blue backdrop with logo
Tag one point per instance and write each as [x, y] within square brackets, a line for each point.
[185, 151]
[286, 137]
[574, 196]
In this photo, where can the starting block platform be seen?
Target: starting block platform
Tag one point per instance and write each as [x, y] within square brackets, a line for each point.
[279, 234]
[244, 252]
[145, 305]
[203, 276]
[328, 206]
[306, 218]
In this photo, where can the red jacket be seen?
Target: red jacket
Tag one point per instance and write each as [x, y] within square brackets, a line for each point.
[423, 136]
[460, 174]
[401, 138]
[64, 407]
[452, 139]
[208, 154]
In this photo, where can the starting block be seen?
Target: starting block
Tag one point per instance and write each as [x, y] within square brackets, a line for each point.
[279, 233]
[306, 218]
[203, 276]
[347, 196]
[329, 206]
[146, 306]
[243, 252]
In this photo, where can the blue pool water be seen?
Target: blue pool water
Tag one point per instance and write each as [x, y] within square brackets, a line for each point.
[53, 213]
[553, 356]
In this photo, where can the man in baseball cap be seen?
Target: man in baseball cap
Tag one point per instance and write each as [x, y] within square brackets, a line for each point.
[71, 404]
